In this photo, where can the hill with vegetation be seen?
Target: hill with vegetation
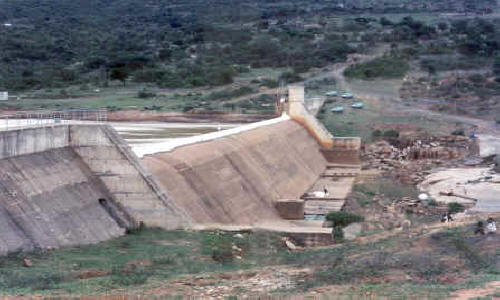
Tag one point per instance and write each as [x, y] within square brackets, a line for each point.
[54, 43]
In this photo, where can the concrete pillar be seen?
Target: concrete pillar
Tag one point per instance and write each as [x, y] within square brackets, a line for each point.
[295, 100]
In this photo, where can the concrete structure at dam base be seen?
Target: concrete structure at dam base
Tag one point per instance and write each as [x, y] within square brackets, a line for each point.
[68, 185]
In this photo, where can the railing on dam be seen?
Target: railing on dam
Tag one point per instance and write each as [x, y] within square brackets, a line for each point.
[21, 119]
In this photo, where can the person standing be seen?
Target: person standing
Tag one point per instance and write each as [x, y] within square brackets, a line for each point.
[492, 226]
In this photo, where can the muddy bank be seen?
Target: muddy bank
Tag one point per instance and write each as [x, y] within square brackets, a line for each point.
[474, 186]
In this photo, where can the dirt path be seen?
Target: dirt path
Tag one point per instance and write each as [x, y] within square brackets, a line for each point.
[427, 229]
[489, 289]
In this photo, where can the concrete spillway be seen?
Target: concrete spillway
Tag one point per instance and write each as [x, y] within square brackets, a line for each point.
[236, 179]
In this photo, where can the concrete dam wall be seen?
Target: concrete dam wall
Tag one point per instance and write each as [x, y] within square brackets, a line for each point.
[237, 179]
[69, 185]
[50, 199]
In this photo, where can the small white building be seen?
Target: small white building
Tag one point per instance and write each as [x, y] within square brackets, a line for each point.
[4, 96]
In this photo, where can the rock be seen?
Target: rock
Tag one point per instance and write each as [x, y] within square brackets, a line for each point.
[406, 224]
[352, 231]
[236, 248]
[238, 236]
[27, 263]
[290, 245]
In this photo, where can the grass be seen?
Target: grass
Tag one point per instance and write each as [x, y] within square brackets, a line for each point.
[356, 122]
[148, 258]
[386, 67]
[127, 101]
[116, 99]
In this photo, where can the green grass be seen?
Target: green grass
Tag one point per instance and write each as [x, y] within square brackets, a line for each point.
[386, 67]
[362, 122]
[129, 101]
[270, 73]
[150, 257]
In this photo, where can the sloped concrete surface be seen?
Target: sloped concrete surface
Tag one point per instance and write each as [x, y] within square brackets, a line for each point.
[50, 199]
[236, 179]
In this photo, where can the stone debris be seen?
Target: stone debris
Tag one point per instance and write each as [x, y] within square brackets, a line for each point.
[236, 248]
[238, 236]
[290, 245]
[409, 159]
[27, 263]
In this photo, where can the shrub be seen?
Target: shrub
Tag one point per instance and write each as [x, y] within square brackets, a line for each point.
[391, 133]
[219, 246]
[477, 78]
[338, 234]
[376, 133]
[455, 207]
[290, 77]
[143, 94]
[458, 132]
[342, 218]
[432, 202]
[270, 83]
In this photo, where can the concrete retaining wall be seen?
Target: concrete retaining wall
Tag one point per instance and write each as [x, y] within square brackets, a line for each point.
[298, 112]
[336, 149]
[32, 140]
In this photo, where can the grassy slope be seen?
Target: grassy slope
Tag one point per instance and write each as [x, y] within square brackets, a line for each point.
[151, 258]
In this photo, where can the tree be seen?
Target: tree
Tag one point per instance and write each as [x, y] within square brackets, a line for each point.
[119, 74]
[385, 22]
[442, 26]
[496, 67]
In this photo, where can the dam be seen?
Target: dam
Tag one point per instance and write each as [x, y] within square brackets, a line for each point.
[75, 184]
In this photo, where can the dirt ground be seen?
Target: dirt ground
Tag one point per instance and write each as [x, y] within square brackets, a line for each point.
[491, 288]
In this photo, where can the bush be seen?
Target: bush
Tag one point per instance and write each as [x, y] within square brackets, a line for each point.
[338, 234]
[143, 94]
[455, 207]
[290, 77]
[376, 133]
[458, 132]
[229, 94]
[432, 202]
[219, 246]
[270, 83]
[342, 218]
[391, 133]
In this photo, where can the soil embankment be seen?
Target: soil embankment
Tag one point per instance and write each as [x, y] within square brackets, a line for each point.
[236, 179]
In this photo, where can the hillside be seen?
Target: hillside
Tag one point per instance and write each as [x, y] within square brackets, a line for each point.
[53, 44]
